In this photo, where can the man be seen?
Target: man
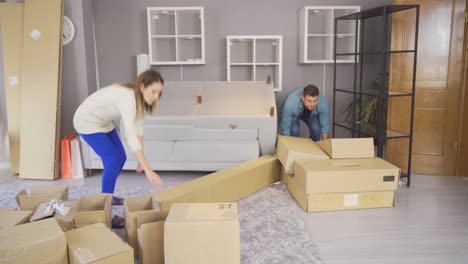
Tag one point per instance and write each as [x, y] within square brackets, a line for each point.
[307, 105]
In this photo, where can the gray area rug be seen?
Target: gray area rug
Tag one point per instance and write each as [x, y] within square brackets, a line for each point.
[270, 229]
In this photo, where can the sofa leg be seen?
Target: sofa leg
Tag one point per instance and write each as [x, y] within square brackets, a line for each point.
[89, 172]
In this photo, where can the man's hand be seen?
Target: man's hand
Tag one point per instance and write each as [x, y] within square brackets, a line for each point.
[324, 136]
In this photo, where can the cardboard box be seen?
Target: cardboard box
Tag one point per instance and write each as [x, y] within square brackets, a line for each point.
[348, 148]
[41, 76]
[67, 222]
[11, 23]
[9, 218]
[151, 243]
[98, 245]
[94, 209]
[132, 208]
[202, 233]
[38, 242]
[337, 201]
[346, 175]
[228, 185]
[41, 194]
[290, 149]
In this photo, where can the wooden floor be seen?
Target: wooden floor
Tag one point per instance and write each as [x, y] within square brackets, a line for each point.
[428, 225]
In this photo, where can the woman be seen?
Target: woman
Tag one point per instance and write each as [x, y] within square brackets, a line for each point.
[93, 121]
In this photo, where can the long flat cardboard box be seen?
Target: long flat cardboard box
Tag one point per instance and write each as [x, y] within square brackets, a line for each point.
[41, 242]
[9, 218]
[41, 194]
[11, 22]
[151, 243]
[40, 100]
[346, 175]
[290, 149]
[134, 207]
[348, 148]
[202, 234]
[98, 245]
[228, 185]
[94, 209]
[337, 201]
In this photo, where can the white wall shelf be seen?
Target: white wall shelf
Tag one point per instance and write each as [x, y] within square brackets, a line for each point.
[317, 24]
[176, 35]
[255, 58]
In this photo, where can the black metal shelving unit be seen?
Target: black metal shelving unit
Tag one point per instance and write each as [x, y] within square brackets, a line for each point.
[379, 131]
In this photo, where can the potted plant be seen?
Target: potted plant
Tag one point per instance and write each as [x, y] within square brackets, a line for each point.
[367, 117]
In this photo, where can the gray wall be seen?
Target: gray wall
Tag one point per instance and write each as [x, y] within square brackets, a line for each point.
[121, 33]
[78, 70]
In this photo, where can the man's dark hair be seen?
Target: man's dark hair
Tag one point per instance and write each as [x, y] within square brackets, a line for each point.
[311, 90]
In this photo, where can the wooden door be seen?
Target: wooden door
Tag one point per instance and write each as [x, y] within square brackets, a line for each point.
[462, 168]
[438, 82]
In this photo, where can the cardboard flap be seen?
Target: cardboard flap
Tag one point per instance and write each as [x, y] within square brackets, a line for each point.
[93, 202]
[9, 218]
[83, 255]
[60, 191]
[346, 148]
[150, 216]
[17, 197]
[138, 203]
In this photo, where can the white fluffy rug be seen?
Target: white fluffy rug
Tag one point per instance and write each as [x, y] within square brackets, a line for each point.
[271, 230]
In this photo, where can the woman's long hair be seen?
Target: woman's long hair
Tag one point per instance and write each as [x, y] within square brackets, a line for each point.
[146, 78]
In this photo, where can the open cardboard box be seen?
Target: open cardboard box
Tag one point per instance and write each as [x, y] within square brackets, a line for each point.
[41, 194]
[94, 209]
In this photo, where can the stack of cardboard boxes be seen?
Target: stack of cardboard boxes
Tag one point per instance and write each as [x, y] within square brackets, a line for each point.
[336, 174]
[55, 240]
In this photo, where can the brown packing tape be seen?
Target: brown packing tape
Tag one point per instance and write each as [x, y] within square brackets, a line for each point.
[228, 185]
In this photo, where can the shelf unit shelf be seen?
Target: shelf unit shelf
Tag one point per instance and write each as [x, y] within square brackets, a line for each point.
[358, 110]
[176, 35]
[255, 58]
[316, 44]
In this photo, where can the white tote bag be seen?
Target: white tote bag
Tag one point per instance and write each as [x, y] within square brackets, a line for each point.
[77, 159]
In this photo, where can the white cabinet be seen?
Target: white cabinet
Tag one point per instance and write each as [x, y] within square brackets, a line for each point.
[255, 58]
[317, 24]
[176, 35]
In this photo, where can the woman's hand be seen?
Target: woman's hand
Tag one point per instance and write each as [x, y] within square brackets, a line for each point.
[139, 168]
[153, 177]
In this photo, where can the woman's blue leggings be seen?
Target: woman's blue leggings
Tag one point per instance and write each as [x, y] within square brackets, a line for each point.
[109, 147]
